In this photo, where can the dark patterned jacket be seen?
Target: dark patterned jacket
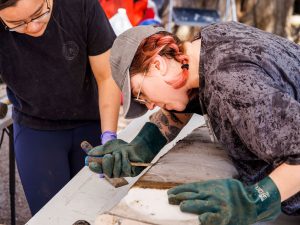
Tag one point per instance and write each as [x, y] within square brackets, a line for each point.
[250, 87]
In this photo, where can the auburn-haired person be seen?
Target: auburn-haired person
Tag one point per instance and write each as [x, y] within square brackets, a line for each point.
[247, 83]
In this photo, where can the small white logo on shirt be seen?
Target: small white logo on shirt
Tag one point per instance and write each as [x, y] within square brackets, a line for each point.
[263, 195]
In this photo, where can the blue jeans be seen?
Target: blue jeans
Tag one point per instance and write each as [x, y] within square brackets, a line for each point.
[47, 160]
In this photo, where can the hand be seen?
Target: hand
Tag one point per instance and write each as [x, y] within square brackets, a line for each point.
[221, 202]
[117, 154]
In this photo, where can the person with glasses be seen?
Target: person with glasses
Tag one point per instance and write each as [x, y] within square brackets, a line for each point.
[246, 82]
[54, 59]
[21, 26]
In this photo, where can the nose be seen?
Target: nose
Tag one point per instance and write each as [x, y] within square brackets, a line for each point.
[34, 27]
[150, 106]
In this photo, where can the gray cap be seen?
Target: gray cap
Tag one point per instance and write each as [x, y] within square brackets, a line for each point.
[122, 54]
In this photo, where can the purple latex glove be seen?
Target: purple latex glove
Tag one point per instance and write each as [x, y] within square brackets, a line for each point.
[107, 136]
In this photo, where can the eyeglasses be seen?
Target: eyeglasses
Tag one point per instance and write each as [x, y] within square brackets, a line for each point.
[22, 27]
[138, 99]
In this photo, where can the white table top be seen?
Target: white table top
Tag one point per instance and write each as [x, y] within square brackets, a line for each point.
[87, 196]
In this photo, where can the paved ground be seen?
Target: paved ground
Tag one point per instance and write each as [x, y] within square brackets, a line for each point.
[22, 210]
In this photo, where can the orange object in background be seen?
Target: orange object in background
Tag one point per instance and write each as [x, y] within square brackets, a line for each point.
[135, 9]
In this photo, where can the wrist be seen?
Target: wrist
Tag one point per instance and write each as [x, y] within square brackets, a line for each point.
[151, 137]
[267, 199]
[108, 136]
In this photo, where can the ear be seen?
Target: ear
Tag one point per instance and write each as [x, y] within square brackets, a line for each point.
[159, 64]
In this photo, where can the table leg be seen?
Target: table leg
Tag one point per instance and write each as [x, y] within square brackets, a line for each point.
[12, 175]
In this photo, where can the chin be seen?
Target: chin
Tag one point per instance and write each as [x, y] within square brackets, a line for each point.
[175, 108]
[37, 34]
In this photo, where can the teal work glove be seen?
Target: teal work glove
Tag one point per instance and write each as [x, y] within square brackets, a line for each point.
[117, 154]
[222, 202]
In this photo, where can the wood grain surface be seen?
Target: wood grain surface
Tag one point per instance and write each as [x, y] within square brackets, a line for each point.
[194, 158]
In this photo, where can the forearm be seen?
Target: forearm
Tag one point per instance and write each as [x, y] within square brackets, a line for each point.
[109, 104]
[109, 93]
[169, 123]
[287, 179]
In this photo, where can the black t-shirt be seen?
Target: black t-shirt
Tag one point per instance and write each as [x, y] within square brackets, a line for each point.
[49, 78]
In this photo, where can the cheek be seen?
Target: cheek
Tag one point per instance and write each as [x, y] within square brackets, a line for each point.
[163, 93]
[154, 90]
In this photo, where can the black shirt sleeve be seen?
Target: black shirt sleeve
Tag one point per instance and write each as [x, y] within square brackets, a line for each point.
[100, 35]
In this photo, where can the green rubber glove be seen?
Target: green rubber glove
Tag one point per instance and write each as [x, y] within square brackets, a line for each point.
[222, 202]
[117, 154]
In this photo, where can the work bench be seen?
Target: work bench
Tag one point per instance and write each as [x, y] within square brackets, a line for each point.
[86, 195]
[190, 157]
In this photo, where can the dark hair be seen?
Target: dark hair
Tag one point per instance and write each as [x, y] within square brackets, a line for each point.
[7, 3]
